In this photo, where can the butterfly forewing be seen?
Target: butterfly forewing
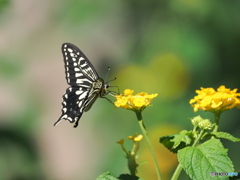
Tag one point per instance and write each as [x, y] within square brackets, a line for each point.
[85, 84]
[79, 70]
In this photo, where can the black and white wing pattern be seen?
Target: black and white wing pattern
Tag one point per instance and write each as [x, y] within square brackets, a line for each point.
[85, 84]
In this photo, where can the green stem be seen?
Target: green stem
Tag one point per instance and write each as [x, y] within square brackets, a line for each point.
[198, 138]
[179, 167]
[177, 172]
[132, 165]
[217, 118]
[141, 124]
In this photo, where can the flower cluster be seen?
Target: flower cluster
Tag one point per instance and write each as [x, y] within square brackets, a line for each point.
[203, 124]
[209, 99]
[136, 102]
[132, 155]
[136, 139]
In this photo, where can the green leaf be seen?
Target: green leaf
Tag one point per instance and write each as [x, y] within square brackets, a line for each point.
[225, 136]
[183, 137]
[176, 142]
[200, 161]
[167, 141]
[106, 176]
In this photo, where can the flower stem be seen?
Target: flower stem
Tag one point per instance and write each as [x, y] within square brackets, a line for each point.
[217, 118]
[141, 124]
[177, 172]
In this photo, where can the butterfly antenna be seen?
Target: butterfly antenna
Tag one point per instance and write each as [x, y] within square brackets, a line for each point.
[107, 72]
[111, 92]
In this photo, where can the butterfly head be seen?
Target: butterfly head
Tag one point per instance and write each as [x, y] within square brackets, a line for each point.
[106, 86]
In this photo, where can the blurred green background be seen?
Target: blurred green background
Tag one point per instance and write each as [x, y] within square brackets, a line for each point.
[167, 47]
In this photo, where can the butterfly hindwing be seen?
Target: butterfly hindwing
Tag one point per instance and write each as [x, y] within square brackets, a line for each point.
[73, 104]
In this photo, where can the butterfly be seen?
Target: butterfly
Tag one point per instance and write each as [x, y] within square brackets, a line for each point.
[85, 85]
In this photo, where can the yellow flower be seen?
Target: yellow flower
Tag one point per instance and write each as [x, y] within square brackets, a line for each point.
[135, 137]
[221, 100]
[134, 102]
[120, 141]
[128, 92]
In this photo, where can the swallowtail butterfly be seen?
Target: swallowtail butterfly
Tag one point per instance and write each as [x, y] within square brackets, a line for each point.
[85, 84]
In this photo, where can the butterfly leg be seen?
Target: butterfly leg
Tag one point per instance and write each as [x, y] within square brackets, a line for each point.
[115, 93]
[109, 100]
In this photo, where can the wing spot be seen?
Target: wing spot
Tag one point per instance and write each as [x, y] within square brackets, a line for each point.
[85, 64]
[72, 55]
[70, 119]
[70, 50]
[83, 95]
[78, 92]
[76, 69]
[79, 81]
[76, 118]
[64, 110]
[64, 117]
[80, 104]
[78, 74]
